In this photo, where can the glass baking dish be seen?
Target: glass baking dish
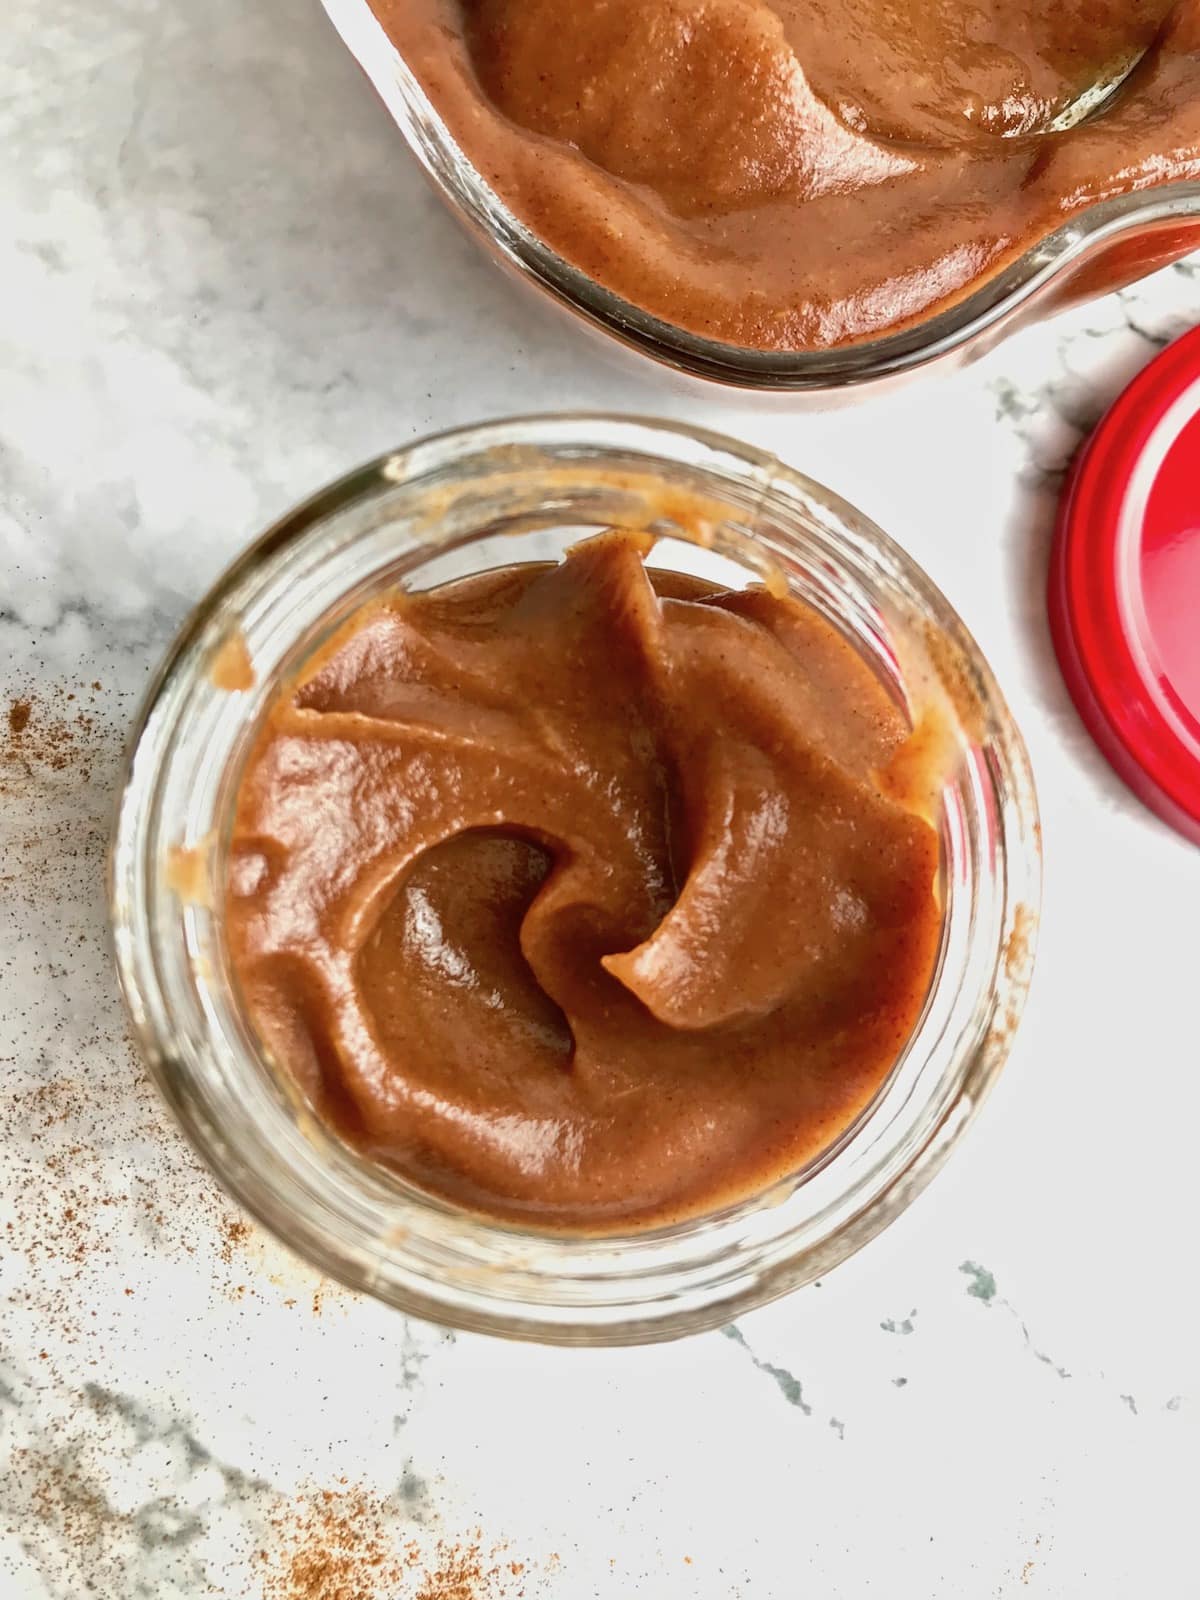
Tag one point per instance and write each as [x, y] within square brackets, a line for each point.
[1100, 249]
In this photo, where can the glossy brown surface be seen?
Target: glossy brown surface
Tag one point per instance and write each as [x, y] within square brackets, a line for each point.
[570, 892]
[797, 174]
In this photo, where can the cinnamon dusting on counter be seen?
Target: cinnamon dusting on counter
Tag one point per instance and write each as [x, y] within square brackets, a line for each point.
[333, 1545]
[234, 1232]
[64, 1502]
[49, 730]
[341, 1544]
[463, 1571]
[96, 1163]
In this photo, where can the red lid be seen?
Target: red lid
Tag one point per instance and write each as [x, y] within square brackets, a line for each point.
[1125, 585]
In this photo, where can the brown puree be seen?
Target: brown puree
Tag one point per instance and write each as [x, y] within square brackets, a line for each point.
[797, 174]
[569, 891]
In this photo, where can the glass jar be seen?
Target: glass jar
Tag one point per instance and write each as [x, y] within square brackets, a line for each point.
[1107, 245]
[464, 502]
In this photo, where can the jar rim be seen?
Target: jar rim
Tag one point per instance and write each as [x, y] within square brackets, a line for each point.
[467, 1271]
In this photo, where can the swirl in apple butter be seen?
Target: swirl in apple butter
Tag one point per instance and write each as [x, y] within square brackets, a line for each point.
[573, 892]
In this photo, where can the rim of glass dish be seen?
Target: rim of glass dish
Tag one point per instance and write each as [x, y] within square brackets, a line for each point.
[857, 543]
[986, 309]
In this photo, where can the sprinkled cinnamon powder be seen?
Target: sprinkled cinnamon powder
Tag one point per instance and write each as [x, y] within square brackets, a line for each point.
[338, 1544]
[233, 1233]
[459, 1575]
[95, 1165]
[102, 1189]
[464, 1572]
[333, 1545]
[62, 1499]
[50, 729]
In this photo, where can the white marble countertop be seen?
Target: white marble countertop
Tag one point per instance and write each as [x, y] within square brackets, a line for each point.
[223, 282]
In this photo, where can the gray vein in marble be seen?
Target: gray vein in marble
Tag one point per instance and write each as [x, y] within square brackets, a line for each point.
[143, 86]
[413, 1493]
[107, 1402]
[160, 1524]
[141, 636]
[1049, 423]
[788, 1385]
[76, 1532]
[418, 1343]
[982, 1287]
[1153, 336]
[903, 1325]
[70, 1500]
[1097, 349]
[1048, 1361]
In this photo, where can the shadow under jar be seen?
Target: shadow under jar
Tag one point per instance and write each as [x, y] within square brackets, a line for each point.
[794, 195]
[469, 503]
